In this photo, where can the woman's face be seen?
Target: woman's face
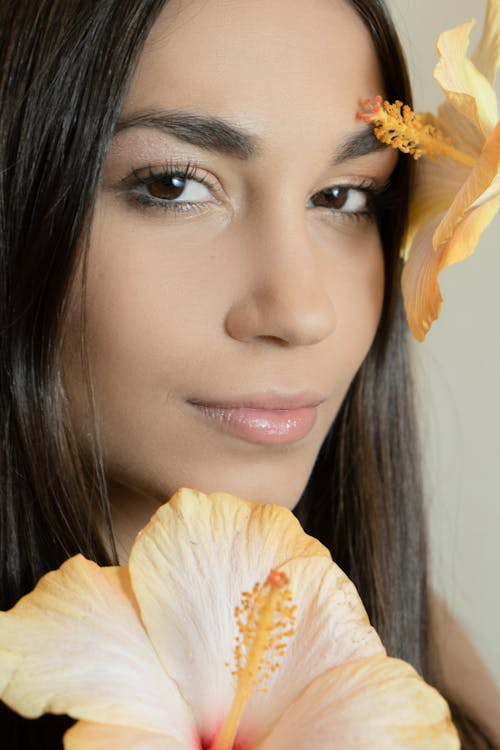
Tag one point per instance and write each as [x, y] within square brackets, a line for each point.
[235, 274]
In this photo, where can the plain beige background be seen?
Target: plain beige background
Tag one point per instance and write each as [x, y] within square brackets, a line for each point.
[459, 367]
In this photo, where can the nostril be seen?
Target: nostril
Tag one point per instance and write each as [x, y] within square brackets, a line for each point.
[277, 340]
[296, 316]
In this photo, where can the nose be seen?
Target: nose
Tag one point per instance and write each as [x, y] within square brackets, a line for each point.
[286, 297]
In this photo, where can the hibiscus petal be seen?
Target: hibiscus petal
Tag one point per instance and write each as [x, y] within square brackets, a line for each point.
[85, 653]
[467, 234]
[421, 292]
[198, 555]
[371, 703]
[420, 285]
[465, 134]
[481, 178]
[437, 182]
[87, 736]
[486, 56]
[468, 90]
[493, 191]
[455, 234]
[332, 628]
[9, 662]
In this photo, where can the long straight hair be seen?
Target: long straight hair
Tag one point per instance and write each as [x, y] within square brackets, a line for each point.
[65, 66]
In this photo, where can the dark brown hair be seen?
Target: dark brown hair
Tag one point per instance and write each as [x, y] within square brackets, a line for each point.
[65, 66]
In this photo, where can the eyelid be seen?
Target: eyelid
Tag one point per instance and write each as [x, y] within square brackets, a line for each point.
[135, 184]
[377, 195]
[368, 186]
[356, 183]
[186, 169]
[371, 186]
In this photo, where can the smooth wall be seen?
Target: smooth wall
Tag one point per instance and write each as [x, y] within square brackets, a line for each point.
[459, 372]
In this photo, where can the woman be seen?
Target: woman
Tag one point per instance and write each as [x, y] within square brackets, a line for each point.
[200, 286]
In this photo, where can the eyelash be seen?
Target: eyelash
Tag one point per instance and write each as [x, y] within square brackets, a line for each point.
[136, 184]
[373, 193]
[135, 187]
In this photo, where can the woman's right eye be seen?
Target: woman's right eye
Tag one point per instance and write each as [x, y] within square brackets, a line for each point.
[173, 188]
[178, 189]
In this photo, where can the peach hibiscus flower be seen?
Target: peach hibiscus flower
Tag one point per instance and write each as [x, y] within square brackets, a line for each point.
[457, 188]
[165, 654]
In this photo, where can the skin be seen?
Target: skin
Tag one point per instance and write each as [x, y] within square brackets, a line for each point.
[259, 290]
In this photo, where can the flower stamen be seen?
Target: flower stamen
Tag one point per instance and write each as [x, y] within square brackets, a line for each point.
[266, 622]
[398, 126]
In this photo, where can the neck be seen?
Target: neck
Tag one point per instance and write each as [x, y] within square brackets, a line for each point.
[130, 512]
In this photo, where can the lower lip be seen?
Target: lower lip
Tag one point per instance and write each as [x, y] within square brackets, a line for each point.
[263, 426]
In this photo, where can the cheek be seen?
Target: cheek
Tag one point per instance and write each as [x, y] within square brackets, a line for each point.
[148, 306]
[357, 282]
[362, 299]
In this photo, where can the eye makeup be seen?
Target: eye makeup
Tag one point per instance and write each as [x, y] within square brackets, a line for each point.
[187, 189]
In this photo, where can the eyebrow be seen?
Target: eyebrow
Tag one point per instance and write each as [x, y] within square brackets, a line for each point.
[206, 131]
[215, 134]
[360, 143]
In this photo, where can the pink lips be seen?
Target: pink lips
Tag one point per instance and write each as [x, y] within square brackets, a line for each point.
[266, 419]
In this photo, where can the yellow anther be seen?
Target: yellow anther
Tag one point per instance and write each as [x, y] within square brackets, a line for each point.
[398, 126]
[265, 621]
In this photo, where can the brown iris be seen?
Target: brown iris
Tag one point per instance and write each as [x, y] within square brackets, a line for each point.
[168, 188]
[335, 197]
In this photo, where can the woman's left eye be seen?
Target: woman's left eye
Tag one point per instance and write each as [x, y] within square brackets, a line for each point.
[344, 199]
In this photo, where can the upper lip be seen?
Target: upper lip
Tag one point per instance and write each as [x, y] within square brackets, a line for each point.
[267, 401]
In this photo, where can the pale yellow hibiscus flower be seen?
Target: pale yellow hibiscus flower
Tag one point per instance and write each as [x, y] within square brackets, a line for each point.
[154, 657]
[457, 187]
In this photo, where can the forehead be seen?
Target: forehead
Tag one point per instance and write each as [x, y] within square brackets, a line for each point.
[259, 61]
